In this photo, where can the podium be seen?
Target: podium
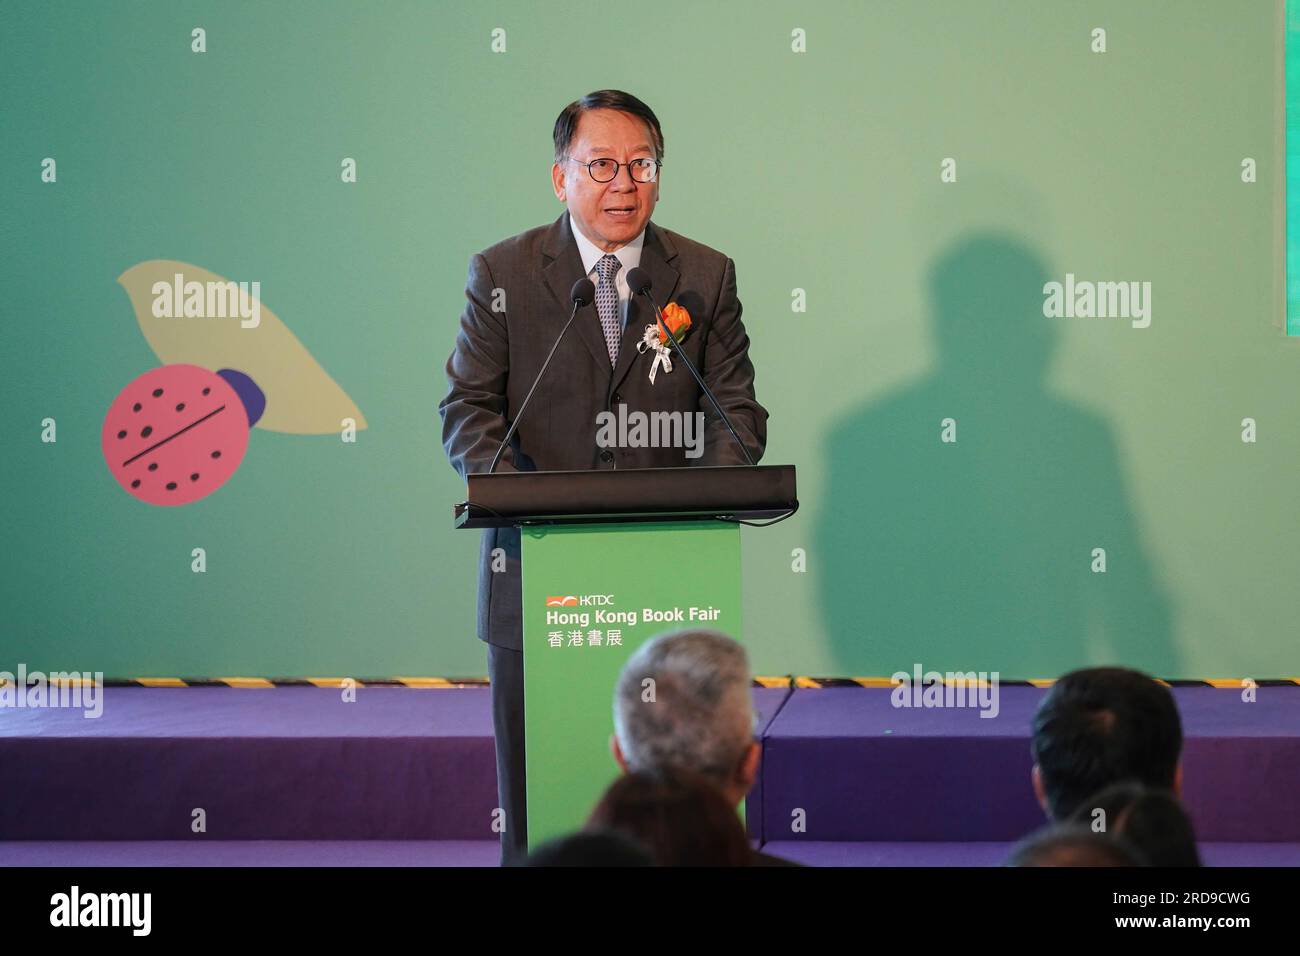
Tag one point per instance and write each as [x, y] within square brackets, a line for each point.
[609, 559]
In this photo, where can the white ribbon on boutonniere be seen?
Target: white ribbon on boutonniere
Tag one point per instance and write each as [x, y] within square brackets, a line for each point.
[650, 340]
[677, 319]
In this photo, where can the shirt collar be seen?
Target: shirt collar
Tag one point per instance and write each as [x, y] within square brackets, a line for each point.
[629, 255]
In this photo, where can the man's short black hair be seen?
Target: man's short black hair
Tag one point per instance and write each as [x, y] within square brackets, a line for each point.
[1073, 845]
[567, 123]
[1151, 821]
[1101, 726]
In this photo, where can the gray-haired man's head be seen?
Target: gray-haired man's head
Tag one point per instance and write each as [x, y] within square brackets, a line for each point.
[683, 703]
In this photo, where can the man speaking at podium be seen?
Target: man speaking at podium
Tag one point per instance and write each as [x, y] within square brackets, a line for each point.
[608, 157]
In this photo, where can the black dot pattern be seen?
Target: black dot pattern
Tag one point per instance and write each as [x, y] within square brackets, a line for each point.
[147, 430]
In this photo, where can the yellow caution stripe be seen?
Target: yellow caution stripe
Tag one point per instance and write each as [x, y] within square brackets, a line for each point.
[801, 681]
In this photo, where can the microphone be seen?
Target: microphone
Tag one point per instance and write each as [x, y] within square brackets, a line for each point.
[582, 294]
[638, 283]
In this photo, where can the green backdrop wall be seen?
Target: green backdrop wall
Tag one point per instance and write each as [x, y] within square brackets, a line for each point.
[816, 170]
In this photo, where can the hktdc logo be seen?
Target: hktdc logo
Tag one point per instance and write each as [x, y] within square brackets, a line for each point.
[584, 600]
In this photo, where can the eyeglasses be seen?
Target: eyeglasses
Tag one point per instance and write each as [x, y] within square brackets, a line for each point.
[606, 170]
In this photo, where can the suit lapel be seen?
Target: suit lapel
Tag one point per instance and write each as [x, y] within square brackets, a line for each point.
[564, 269]
[657, 254]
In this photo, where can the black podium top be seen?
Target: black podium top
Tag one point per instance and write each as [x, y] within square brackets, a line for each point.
[730, 492]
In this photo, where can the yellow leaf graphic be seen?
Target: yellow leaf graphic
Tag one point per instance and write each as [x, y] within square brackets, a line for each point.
[301, 398]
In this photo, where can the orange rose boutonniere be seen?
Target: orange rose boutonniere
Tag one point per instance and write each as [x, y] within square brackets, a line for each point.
[679, 321]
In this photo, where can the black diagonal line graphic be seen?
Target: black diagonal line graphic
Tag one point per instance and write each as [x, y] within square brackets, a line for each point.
[170, 437]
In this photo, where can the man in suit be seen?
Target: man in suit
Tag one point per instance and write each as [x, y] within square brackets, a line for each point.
[608, 155]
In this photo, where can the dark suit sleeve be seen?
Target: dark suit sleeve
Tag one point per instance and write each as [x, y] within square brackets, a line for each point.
[473, 412]
[730, 374]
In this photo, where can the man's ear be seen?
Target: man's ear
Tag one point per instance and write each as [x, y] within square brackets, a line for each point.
[1178, 780]
[617, 751]
[557, 181]
[747, 770]
[1037, 777]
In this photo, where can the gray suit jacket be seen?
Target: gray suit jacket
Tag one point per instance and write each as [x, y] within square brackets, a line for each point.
[499, 353]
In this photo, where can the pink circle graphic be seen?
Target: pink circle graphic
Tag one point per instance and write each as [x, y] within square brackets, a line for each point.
[175, 434]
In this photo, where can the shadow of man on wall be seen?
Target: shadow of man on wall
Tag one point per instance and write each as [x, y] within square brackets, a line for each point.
[979, 553]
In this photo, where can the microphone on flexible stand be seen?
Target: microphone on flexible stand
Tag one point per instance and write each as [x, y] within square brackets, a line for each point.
[582, 294]
[638, 283]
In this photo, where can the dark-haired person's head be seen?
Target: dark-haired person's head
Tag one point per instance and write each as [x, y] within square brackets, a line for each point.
[1151, 821]
[590, 848]
[608, 153]
[1072, 845]
[1101, 726]
[681, 818]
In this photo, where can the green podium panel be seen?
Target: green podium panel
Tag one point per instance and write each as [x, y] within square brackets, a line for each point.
[593, 594]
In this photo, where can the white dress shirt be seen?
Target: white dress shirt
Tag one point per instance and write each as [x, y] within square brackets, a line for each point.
[629, 255]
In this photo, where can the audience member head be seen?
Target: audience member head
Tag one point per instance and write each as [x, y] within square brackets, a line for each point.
[590, 848]
[1101, 726]
[682, 819]
[1072, 845]
[1153, 822]
[682, 703]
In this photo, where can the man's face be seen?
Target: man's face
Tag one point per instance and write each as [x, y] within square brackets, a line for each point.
[610, 214]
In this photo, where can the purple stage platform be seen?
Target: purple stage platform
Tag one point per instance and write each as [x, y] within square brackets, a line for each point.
[864, 771]
[923, 853]
[251, 853]
[295, 776]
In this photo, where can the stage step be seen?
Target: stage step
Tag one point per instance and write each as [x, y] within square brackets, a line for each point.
[934, 853]
[841, 764]
[282, 763]
[842, 770]
[199, 852]
[76, 853]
